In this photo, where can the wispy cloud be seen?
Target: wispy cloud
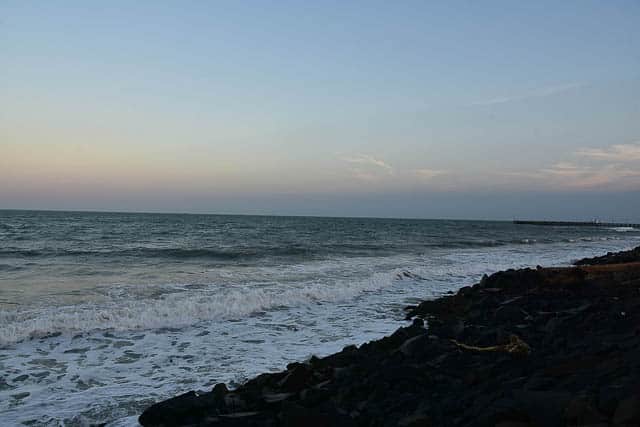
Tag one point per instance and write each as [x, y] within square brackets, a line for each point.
[368, 160]
[616, 166]
[566, 169]
[539, 93]
[425, 173]
[368, 168]
[618, 152]
[586, 176]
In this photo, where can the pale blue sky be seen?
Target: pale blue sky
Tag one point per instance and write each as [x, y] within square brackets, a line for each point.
[304, 107]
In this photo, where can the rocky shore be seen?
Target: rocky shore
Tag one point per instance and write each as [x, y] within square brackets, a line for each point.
[530, 347]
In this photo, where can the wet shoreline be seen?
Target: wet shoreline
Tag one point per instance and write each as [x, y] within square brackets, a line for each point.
[544, 346]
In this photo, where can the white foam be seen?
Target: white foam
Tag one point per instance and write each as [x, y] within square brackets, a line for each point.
[177, 309]
[623, 229]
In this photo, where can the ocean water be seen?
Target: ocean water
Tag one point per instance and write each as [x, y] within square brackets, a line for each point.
[102, 314]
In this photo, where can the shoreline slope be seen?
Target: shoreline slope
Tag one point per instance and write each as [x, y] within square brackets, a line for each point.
[529, 347]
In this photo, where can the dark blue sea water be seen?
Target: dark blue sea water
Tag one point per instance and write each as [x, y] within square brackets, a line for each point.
[102, 313]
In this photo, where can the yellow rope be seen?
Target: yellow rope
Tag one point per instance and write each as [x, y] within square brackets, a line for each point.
[514, 346]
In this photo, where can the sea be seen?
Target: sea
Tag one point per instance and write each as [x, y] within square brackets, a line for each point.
[103, 314]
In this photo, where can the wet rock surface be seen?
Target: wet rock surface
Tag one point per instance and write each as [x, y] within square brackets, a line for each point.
[530, 347]
[613, 258]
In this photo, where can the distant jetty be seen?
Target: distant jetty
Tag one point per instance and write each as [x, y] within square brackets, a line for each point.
[578, 223]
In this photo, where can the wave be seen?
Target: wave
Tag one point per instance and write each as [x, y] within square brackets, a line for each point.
[309, 250]
[622, 229]
[9, 267]
[175, 310]
[257, 252]
[179, 253]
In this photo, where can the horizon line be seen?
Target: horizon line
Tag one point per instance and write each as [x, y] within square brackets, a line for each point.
[244, 214]
[136, 212]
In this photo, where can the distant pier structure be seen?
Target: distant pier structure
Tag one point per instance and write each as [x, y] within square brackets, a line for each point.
[578, 223]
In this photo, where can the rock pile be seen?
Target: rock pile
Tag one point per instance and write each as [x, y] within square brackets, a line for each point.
[531, 347]
[613, 258]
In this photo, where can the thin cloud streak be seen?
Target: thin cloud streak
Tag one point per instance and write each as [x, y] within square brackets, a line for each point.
[618, 152]
[369, 168]
[365, 159]
[540, 93]
[616, 166]
[428, 173]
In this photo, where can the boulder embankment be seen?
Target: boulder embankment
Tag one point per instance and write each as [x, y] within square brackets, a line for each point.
[529, 347]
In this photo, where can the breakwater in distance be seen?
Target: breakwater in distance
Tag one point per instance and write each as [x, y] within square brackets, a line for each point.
[577, 223]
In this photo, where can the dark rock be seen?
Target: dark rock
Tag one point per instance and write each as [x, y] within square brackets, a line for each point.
[219, 390]
[418, 419]
[513, 423]
[277, 397]
[297, 379]
[416, 346]
[609, 397]
[580, 412]
[234, 403]
[632, 255]
[188, 408]
[509, 314]
[628, 412]
[293, 415]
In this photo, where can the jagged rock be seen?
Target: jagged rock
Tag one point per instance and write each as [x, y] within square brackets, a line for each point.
[416, 346]
[219, 391]
[628, 412]
[294, 415]
[513, 423]
[580, 412]
[418, 419]
[297, 379]
[188, 408]
[632, 255]
[509, 313]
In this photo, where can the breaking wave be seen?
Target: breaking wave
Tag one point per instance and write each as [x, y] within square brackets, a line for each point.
[257, 252]
[623, 229]
[174, 310]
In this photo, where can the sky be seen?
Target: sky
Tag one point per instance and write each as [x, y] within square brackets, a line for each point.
[455, 109]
